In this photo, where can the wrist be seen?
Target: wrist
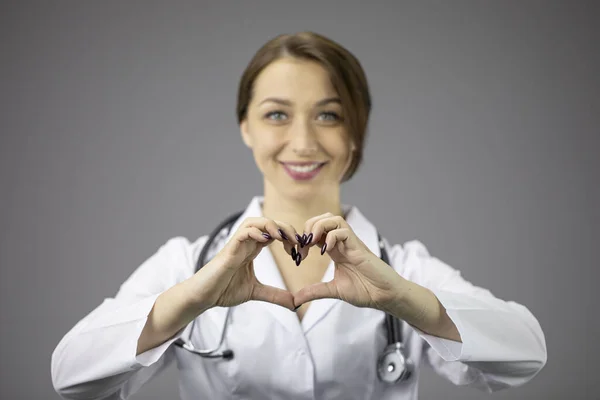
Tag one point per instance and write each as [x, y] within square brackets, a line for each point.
[403, 290]
[410, 302]
[420, 307]
[393, 300]
[195, 294]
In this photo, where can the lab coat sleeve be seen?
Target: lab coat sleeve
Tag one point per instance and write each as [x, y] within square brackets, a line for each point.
[502, 345]
[97, 358]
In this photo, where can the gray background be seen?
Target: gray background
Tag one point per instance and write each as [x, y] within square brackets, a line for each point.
[118, 132]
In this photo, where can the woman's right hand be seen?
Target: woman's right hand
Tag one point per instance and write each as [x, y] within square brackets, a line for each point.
[228, 279]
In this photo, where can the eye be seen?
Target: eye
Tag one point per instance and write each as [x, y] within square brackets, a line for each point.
[329, 116]
[276, 115]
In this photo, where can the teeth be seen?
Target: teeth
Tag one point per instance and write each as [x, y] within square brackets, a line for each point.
[303, 168]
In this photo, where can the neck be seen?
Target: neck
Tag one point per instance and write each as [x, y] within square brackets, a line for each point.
[296, 211]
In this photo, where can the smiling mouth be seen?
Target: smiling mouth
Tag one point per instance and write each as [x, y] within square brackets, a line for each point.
[303, 167]
[303, 170]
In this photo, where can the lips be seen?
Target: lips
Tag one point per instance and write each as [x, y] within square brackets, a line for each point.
[303, 170]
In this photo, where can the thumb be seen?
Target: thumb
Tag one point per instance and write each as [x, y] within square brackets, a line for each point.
[272, 295]
[321, 290]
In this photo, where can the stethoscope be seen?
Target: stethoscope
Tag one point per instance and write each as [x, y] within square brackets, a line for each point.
[393, 364]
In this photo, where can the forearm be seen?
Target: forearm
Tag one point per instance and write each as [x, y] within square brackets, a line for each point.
[420, 307]
[172, 310]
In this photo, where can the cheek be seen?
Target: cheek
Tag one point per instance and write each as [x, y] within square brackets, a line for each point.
[337, 146]
[266, 146]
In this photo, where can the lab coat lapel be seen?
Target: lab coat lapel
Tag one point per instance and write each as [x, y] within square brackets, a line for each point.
[367, 233]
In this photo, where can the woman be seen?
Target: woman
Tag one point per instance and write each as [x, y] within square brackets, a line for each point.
[303, 108]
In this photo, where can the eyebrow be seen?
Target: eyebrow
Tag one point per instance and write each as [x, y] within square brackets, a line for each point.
[289, 103]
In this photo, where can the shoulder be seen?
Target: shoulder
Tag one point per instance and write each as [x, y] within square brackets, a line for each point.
[181, 247]
[181, 251]
[411, 252]
[173, 260]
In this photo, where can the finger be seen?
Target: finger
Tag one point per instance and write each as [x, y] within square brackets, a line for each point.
[301, 254]
[277, 229]
[288, 235]
[322, 227]
[318, 227]
[334, 237]
[255, 234]
[287, 246]
[308, 225]
[304, 249]
[321, 290]
[273, 295]
[269, 226]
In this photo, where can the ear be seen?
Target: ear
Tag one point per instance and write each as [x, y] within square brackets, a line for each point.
[350, 159]
[245, 135]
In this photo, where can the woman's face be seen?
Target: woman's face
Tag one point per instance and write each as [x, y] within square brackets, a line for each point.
[295, 128]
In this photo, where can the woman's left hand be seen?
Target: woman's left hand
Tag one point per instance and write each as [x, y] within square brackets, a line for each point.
[360, 278]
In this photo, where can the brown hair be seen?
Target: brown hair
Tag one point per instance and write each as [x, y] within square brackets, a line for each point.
[345, 71]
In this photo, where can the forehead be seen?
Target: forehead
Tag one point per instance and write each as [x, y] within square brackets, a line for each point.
[294, 79]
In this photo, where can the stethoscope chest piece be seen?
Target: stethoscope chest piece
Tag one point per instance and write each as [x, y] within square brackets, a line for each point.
[393, 366]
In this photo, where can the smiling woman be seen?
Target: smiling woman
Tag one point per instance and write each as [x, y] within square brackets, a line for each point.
[298, 296]
[296, 128]
[328, 67]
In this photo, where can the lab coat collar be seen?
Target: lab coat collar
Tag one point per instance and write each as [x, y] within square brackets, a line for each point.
[267, 272]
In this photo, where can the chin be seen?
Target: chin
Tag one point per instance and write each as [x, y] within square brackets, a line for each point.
[305, 191]
[301, 190]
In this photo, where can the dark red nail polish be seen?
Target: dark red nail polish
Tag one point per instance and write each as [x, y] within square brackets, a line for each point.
[309, 238]
[266, 235]
[298, 258]
[282, 234]
[298, 238]
[294, 253]
[323, 249]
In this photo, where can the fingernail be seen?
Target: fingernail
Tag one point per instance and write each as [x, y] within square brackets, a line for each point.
[282, 234]
[294, 253]
[298, 238]
[298, 259]
[323, 249]
[304, 238]
[266, 235]
[309, 238]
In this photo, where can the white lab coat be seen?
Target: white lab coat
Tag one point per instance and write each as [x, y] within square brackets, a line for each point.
[331, 354]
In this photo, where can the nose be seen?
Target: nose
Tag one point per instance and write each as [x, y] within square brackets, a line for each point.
[303, 139]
